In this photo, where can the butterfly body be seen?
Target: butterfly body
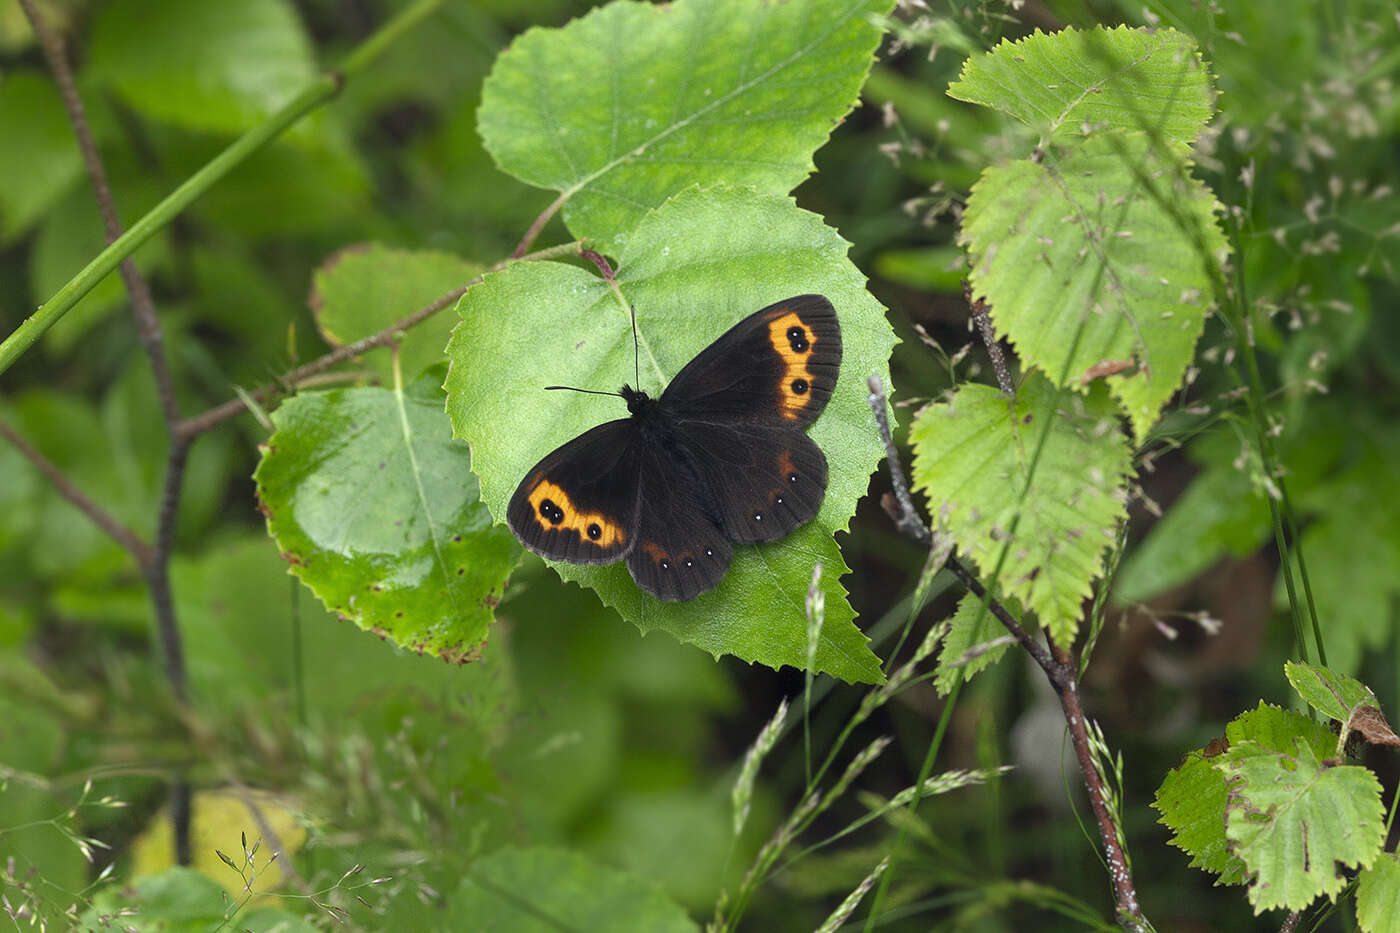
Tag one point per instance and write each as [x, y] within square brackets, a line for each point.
[720, 458]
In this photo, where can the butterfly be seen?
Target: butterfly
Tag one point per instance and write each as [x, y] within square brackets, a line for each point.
[720, 458]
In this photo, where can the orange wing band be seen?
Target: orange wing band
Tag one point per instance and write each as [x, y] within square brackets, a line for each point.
[609, 532]
[795, 387]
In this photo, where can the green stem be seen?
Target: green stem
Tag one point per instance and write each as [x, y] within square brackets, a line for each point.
[317, 93]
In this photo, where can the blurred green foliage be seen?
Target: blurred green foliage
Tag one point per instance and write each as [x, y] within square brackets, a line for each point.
[573, 732]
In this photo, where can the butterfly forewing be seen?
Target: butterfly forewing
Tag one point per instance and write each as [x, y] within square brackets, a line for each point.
[580, 503]
[680, 551]
[777, 366]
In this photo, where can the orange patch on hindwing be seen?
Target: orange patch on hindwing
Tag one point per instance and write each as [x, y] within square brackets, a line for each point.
[794, 342]
[786, 466]
[555, 511]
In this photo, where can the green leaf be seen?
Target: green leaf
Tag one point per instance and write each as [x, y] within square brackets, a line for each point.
[1292, 817]
[1278, 729]
[40, 158]
[1378, 895]
[1225, 512]
[927, 268]
[376, 508]
[34, 733]
[363, 289]
[972, 457]
[1193, 795]
[541, 889]
[1352, 551]
[460, 39]
[1221, 513]
[316, 189]
[1330, 693]
[115, 469]
[626, 106]
[244, 627]
[213, 67]
[1084, 269]
[695, 266]
[181, 900]
[971, 646]
[1073, 83]
[1192, 801]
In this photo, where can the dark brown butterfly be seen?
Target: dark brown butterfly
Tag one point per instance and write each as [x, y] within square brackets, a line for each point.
[721, 458]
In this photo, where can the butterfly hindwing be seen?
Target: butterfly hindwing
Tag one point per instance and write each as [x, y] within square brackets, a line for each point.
[581, 502]
[680, 551]
[764, 481]
[776, 366]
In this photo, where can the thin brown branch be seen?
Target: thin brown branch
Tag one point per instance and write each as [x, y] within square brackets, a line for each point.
[981, 314]
[158, 574]
[118, 532]
[1129, 910]
[192, 427]
[907, 518]
[142, 306]
[155, 561]
[1035, 649]
[1058, 665]
[200, 423]
[528, 239]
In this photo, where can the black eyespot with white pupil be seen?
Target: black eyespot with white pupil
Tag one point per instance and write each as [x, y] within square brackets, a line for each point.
[595, 531]
[792, 477]
[551, 511]
[758, 516]
[689, 562]
[665, 564]
[709, 552]
[797, 339]
[778, 500]
[799, 387]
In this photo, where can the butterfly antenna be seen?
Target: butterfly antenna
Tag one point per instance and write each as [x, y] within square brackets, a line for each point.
[636, 351]
[587, 391]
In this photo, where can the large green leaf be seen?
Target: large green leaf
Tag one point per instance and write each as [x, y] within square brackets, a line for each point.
[1074, 83]
[1294, 820]
[972, 458]
[1193, 795]
[1096, 255]
[244, 627]
[34, 739]
[628, 105]
[375, 506]
[316, 189]
[363, 289]
[1221, 513]
[1225, 510]
[1087, 271]
[216, 67]
[695, 266]
[39, 160]
[546, 890]
[1352, 550]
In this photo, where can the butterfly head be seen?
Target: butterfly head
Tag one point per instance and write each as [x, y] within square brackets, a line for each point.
[636, 399]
